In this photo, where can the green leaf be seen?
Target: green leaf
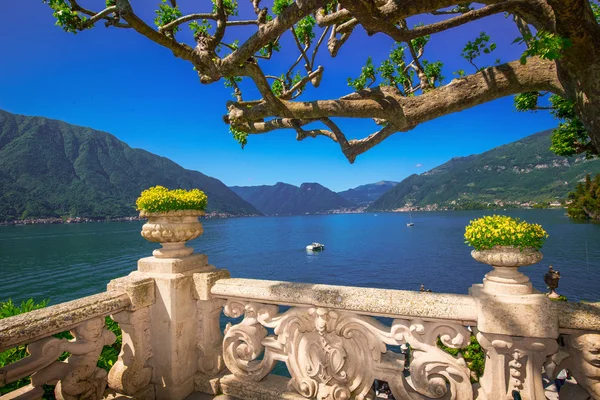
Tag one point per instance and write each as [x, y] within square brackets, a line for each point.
[545, 45]
[239, 136]
[305, 30]
[367, 74]
[166, 14]
[526, 101]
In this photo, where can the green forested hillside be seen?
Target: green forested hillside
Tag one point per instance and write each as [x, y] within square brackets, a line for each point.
[49, 168]
[525, 170]
[285, 199]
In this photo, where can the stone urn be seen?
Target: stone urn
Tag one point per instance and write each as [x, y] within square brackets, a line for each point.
[172, 229]
[506, 260]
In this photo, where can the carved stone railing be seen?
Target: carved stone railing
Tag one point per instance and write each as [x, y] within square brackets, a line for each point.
[334, 340]
[78, 377]
[334, 348]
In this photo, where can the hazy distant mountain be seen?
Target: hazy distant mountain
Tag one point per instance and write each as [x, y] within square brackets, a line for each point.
[285, 199]
[525, 170]
[366, 194]
[50, 168]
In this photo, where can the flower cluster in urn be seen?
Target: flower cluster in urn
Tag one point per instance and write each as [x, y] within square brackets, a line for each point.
[499, 230]
[506, 244]
[172, 218]
[161, 199]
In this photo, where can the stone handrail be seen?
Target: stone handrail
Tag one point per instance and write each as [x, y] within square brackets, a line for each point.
[578, 316]
[39, 324]
[366, 301]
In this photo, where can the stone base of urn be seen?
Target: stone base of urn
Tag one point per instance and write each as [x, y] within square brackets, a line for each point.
[506, 278]
[172, 229]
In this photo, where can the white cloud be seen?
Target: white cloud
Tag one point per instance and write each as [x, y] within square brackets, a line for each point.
[419, 165]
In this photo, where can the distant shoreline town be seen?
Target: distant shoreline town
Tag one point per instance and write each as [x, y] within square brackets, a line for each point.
[80, 220]
[357, 210]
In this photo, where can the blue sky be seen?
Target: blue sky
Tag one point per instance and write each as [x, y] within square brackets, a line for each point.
[118, 81]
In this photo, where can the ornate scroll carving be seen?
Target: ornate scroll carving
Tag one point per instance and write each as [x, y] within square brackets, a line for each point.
[243, 343]
[78, 377]
[130, 373]
[336, 354]
[434, 373]
[582, 359]
[514, 363]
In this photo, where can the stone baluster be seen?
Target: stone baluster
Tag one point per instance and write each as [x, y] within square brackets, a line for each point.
[209, 335]
[131, 374]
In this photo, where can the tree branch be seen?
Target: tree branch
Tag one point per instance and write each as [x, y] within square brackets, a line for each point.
[506, 6]
[179, 49]
[269, 31]
[404, 113]
[184, 19]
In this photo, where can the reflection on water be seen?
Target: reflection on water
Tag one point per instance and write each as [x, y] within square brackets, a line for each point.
[64, 262]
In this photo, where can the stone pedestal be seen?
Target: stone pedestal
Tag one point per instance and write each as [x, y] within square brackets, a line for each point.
[173, 322]
[517, 327]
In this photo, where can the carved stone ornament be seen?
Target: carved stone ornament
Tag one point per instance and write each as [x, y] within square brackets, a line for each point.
[551, 279]
[172, 229]
[77, 378]
[583, 361]
[336, 355]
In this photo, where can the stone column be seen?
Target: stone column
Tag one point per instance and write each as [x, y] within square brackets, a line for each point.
[173, 322]
[518, 329]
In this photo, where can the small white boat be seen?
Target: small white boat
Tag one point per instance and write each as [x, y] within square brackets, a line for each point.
[315, 247]
[410, 223]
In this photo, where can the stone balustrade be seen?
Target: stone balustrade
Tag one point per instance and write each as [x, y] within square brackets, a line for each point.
[78, 377]
[334, 340]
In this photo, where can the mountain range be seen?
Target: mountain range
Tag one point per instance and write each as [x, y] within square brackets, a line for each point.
[521, 171]
[286, 199]
[50, 168]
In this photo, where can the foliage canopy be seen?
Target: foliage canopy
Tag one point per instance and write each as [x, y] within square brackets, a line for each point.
[586, 199]
[405, 90]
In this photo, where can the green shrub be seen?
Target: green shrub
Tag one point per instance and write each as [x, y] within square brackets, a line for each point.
[473, 354]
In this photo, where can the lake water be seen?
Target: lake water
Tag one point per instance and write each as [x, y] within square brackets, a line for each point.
[64, 262]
